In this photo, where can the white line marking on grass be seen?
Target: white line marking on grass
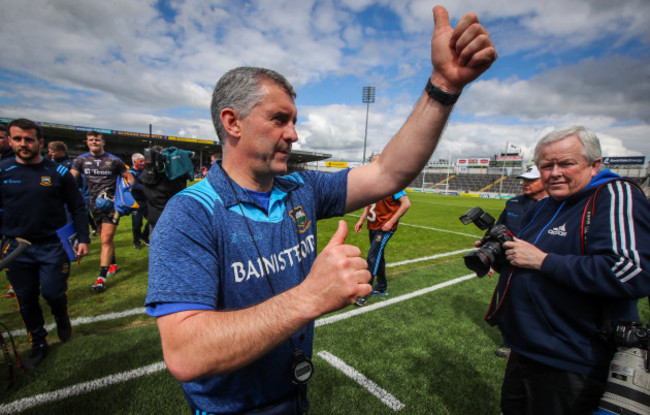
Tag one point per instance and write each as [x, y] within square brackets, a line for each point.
[141, 310]
[426, 258]
[75, 390]
[441, 230]
[388, 399]
[88, 320]
[360, 310]
[45, 398]
[431, 229]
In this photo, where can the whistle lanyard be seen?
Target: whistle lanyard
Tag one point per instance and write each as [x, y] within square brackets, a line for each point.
[259, 254]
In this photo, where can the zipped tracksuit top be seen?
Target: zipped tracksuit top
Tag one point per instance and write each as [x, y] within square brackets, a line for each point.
[553, 315]
[34, 199]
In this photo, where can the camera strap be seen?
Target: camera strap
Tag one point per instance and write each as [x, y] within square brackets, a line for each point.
[587, 215]
[498, 305]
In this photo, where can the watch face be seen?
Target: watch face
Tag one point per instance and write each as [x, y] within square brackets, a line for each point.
[303, 371]
[301, 368]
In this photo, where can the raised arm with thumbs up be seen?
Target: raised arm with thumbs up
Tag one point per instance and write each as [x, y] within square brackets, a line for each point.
[459, 55]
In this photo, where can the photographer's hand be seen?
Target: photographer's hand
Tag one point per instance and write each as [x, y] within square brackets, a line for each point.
[523, 254]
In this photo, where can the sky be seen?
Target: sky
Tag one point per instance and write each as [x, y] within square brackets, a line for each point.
[128, 64]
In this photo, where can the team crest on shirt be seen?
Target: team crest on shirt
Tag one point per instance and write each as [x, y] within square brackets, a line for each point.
[107, 163]
[299, 216]
[46, 181]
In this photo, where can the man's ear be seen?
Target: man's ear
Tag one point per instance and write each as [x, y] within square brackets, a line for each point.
[231, 122]
[595, 167]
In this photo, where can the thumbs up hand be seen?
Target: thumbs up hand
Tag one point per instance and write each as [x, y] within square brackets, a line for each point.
[459, 55]
[339, 275]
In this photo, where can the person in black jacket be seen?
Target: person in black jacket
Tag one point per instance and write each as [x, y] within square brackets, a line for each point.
[34, 194]
[157, 188]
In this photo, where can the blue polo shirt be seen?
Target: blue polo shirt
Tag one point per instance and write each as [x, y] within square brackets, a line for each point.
[204, 251]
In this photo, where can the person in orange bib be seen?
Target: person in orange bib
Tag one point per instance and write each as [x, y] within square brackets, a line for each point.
[383, 217]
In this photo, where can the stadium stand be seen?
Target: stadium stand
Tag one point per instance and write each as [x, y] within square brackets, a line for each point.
[466, 182]
[495, 182]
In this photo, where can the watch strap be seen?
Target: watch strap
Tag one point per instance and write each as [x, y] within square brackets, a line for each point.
[439, 95]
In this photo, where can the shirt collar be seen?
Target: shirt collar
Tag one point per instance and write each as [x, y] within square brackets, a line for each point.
[219, 180]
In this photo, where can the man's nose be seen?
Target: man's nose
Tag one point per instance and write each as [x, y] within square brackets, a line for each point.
[291, 132]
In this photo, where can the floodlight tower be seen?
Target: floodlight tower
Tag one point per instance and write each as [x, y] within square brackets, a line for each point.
[367, 97]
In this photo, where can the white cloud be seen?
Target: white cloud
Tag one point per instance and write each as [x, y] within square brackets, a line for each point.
[121, 65]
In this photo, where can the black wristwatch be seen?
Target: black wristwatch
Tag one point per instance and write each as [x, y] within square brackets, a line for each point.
[439, 95]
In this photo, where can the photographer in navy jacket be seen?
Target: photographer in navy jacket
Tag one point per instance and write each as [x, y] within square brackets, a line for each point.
[560, 287]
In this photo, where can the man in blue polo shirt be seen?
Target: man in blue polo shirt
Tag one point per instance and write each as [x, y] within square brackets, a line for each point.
[235, 281]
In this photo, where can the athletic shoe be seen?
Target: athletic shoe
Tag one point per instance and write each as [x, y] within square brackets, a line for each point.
[137, 245]
[10, 292]
[502, 352]
[145, 241]
[39, 351]
[112, 270]
[360, 302]
[63, 327]
[375, 293]
[99, 285]
[94, 232]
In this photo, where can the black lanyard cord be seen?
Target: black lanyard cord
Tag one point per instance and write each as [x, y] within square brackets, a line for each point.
[259, 254]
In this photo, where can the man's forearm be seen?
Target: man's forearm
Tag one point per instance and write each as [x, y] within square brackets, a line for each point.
[403, 158]
[232, 339]
[410, 149]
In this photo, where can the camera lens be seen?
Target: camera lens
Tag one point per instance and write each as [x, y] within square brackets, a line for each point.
[477, 262]
[481, 260]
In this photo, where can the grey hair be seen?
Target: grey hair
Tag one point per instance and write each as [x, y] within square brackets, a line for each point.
[590, 142]
[240, 90]
[136, 156]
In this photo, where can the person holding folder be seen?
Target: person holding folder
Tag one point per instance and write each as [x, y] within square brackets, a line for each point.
[34, 195]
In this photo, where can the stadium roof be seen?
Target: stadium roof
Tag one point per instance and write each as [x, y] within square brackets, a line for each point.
[77, 134]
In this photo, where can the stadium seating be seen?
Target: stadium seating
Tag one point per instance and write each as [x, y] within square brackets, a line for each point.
[483, 183]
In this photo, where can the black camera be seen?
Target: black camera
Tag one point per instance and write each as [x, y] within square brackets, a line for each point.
[154, 158]
[491, 250]
[631, 334]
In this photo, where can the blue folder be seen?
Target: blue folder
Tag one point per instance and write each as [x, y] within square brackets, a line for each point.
[68, 236]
